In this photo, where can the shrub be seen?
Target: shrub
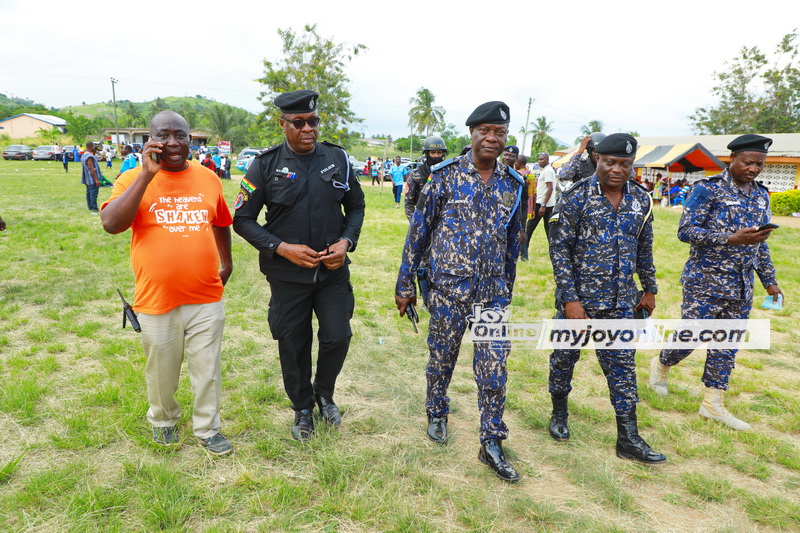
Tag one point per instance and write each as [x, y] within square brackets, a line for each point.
[785, 203]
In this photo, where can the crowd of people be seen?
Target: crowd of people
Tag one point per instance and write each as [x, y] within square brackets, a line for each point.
[471, 218]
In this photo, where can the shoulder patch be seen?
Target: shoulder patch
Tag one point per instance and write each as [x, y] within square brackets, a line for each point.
[554, 218]
[268, 150]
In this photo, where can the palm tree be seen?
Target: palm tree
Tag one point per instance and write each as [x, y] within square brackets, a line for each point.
[134, 113]
[588, 129]
[158, 105]
[424, 117]
[542, 142]
[226, 123]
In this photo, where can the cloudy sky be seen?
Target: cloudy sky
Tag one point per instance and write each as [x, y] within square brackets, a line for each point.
[642, 66]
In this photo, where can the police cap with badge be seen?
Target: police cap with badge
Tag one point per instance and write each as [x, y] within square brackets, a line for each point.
[750, 143]
[302, 101]
[617, 145]
[494, 112]
[511, 149]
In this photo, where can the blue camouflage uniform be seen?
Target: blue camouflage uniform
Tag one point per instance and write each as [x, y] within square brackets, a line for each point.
[468, 233]
[718, 278]
[595, 250]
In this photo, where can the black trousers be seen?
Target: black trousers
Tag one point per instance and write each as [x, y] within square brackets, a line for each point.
[531, 226]
[290, 308]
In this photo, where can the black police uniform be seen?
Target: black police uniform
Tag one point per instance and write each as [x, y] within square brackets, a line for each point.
[315, 200]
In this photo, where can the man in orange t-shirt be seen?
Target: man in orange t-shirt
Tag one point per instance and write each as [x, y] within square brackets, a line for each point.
[181, 257]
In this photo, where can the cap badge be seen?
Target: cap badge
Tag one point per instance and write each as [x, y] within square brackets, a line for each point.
[311, 104]
[503, 114]
[766, 145]
[628, 148]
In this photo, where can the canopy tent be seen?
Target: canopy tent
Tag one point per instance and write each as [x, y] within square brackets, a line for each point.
[677, 158]
[673, 157]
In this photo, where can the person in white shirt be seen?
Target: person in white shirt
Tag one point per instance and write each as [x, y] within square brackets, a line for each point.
[545, 196]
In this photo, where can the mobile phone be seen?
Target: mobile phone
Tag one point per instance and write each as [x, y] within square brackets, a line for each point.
[768, 225]
[155, 157]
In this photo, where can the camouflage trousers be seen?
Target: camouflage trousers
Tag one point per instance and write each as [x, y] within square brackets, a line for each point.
[719, 363]
[619, 367]
[449, 321]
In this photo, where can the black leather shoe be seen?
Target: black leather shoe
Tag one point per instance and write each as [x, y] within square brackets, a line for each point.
[558, 421]
[328, 410]
[303, 428]
[437, 429]
[491, 454]
[630, 445]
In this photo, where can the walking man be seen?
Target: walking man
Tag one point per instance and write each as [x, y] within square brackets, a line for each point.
[600, 234]
[314, 213]
[722, 220]
[467, 226]
[177, 209]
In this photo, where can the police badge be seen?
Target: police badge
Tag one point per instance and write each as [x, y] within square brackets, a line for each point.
[508, 199]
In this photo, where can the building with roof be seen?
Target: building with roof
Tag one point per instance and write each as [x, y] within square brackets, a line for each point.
[28, 125]
[665, 155]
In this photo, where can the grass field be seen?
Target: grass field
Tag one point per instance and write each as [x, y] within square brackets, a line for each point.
[75, 449]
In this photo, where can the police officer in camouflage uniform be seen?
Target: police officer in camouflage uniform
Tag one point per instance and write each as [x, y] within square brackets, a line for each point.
[314, 213]
[720, 220]
[579, 167]
[466, 226]
[601, 233]
[434, 149]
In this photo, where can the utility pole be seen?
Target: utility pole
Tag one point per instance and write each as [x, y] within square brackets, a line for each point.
[114, 98]
[525, 128]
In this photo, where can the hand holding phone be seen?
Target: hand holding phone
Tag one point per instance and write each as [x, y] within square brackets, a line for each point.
[768, 225]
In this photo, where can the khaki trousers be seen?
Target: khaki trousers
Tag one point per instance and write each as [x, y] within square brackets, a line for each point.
[194, 330]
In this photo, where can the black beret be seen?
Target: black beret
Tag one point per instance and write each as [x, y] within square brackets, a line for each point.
[490, 113]
[750, 143]
[301, 101]
[511, 148]
[618, 145]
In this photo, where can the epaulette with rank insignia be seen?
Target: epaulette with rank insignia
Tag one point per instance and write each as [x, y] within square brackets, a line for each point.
[760, 184]
[268, 150]
[328, 143]
[438, 166]
[514, 174]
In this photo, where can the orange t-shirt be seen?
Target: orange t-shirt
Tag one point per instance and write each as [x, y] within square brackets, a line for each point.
[173, 251]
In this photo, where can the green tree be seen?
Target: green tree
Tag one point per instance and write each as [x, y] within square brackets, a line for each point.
[754, 94]
[192, 113]
[132, 116]
[424, 117]
[588, 129]
[158, 105]
[81, 128]
[454, 142]
[541, 141]
[227, 123]
[314, 63]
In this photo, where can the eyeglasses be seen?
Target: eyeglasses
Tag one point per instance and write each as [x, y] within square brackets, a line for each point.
[299, 123]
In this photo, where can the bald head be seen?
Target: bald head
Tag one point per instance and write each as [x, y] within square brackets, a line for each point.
[168, 118]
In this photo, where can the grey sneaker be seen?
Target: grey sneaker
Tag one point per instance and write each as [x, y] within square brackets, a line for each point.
[217, 444]
[166, 436]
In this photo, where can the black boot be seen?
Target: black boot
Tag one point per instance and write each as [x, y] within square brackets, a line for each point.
[630, 445]
[558, 421]
[491, 454]
[437, 429]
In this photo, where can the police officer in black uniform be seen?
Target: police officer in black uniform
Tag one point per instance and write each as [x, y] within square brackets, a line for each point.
[314, 213]
[434, 150]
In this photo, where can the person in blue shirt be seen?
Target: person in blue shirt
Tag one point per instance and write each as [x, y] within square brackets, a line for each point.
[217, 160]
[129, 160]
[398, 172]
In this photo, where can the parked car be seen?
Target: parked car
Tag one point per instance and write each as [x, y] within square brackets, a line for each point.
[69, 148]
[18, 151]
[46, 151]
[245, 157]
[248, 151]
